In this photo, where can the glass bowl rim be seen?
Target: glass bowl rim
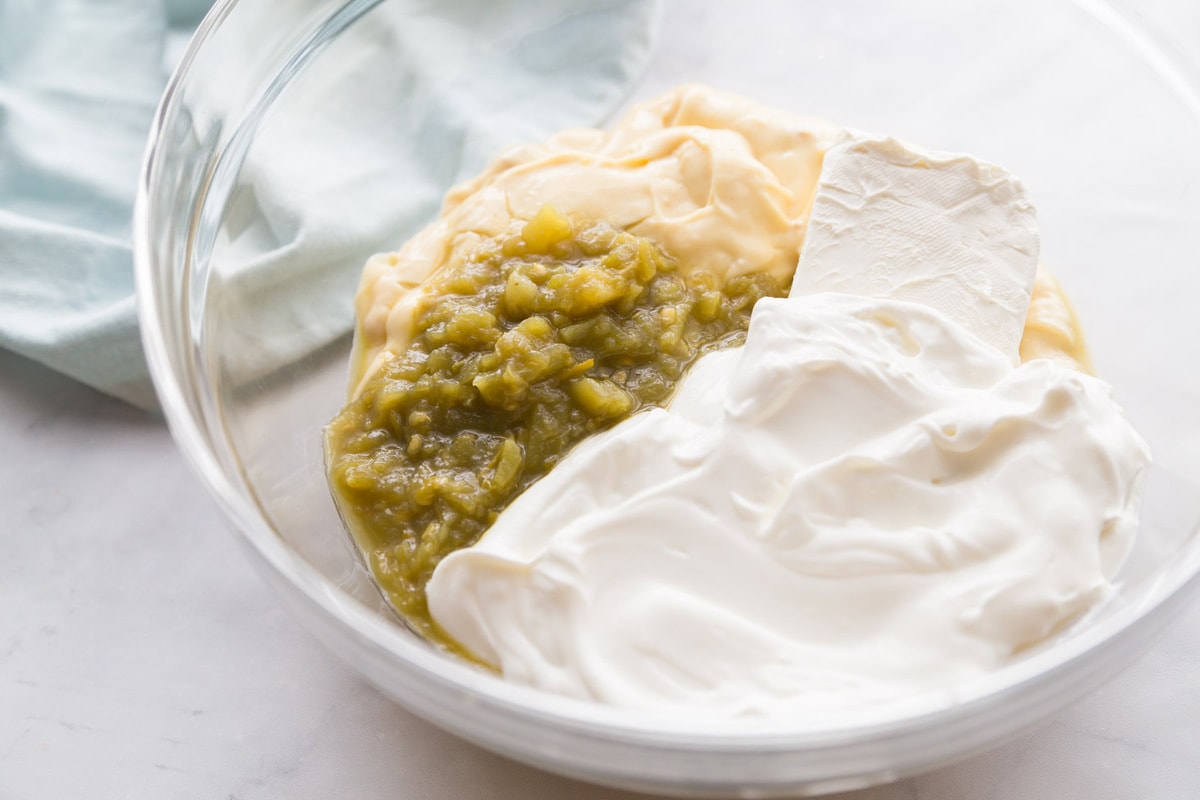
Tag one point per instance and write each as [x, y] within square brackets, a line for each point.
[1178, 581]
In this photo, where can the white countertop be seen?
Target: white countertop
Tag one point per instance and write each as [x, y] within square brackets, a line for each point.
[140, 657]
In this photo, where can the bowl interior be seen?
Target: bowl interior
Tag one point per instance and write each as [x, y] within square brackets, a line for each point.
[272, 193]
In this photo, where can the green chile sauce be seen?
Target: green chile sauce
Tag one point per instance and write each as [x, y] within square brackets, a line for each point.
[536, 341]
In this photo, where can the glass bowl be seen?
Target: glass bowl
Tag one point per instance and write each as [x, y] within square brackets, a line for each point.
[250, 237]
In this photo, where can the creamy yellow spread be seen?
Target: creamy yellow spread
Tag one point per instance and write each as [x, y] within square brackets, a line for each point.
[721, 183]
[1052, 327]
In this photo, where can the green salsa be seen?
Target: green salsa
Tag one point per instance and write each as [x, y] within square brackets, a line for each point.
[536, 341]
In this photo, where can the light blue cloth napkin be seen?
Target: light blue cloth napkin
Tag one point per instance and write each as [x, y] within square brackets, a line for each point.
[79, 82]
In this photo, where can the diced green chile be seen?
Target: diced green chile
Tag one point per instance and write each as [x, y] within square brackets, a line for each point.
[535, 342]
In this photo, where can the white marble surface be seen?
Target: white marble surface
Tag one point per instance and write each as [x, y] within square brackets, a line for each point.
[141, 658]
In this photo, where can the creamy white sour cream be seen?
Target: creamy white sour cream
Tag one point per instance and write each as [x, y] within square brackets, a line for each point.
[864, 503]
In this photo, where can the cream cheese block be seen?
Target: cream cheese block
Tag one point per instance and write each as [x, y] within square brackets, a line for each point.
[947, 231]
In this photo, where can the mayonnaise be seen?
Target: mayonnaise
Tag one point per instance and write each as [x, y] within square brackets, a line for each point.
[721, 183]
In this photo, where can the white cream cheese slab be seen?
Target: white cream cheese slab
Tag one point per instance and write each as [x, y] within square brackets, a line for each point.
[949, 231]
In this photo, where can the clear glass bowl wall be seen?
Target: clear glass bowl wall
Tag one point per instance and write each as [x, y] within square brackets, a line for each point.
[1089, 109]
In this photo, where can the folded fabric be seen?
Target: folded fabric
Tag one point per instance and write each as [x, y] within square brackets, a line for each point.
[79, 82]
